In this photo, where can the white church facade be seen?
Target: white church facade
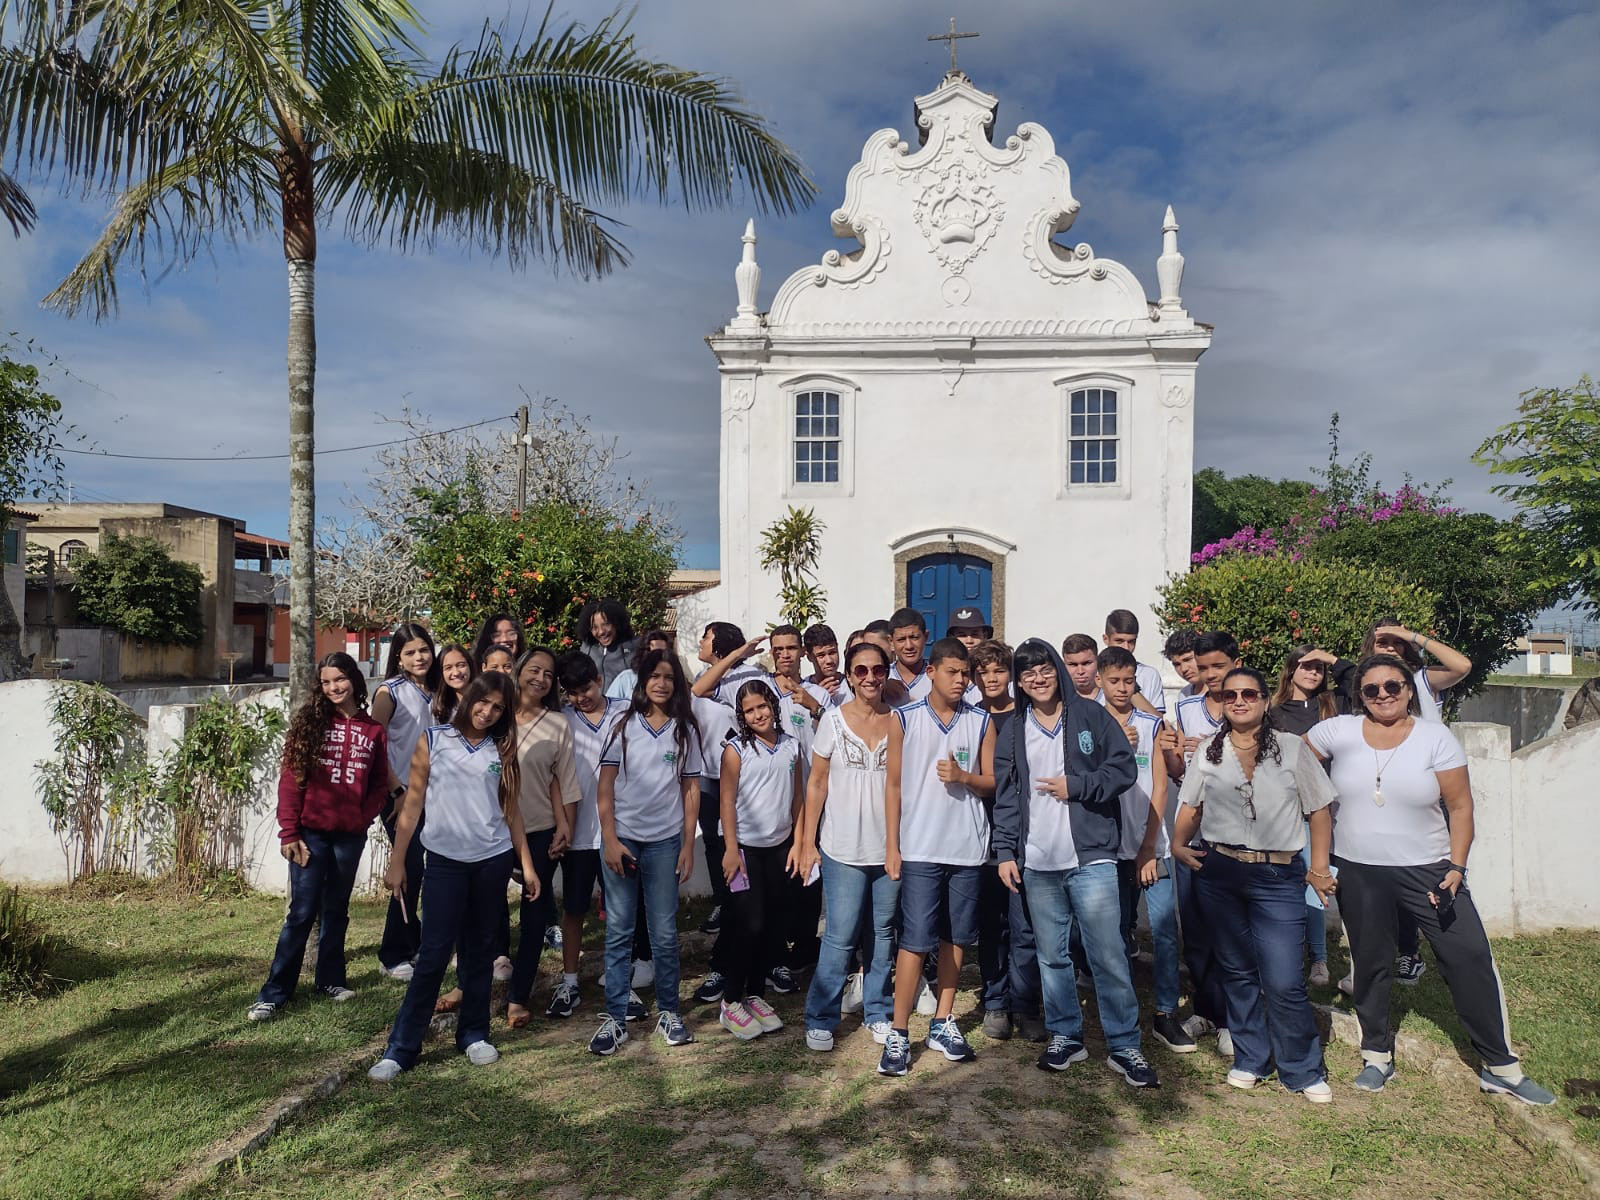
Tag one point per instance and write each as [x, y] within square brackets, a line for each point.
[980, 412]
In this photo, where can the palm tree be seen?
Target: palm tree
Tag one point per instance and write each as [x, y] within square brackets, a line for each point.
[233, 118]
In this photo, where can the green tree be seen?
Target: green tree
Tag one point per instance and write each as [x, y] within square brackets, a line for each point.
[235, 118]
[1223, 505]
[791, 546]
[135, 585]
[1554, 446]
[30, 462]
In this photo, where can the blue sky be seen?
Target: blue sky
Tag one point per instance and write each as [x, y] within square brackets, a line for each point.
[1388, 210]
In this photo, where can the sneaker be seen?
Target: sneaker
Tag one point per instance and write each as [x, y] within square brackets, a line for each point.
[1170, 1033]
[945, 1035]
[713, 921]
[611, 1034]
[896, 1058]
[502, 969]
[636, 1010]
[1318, 1093]
[997, 1025]
[384, 1070]
[644, 972]
[853, 995]
[740, 1021]
[400, 974]
[481, 1054]
[1031, 1029]
[1198, 1027]
[927, 1002]
[1318, 976]
[758, 1008]
[1224, 1043]
[1373, 1076]
[782, 981]
[1061, 1053]
[337, 994]
[553, 937]
[880, 1032]
[1347, 985]
[819, 1039]
[565, 1002]
[1243, 1080]
[262, 1010]
[1134, 1068]
[672, 1029]
[710, 989]
[1524, 1089]
[1409, 968]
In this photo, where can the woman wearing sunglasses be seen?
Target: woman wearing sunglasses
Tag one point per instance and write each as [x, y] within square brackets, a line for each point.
[843, 829]
[1250, 793]
[1404, 829]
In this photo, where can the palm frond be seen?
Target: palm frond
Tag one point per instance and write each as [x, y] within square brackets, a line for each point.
[15, 206]
[589, 113]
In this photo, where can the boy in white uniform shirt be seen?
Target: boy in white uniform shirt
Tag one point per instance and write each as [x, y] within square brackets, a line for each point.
[941, 765]
[827, 683]
[1122, 629]
[908, 634]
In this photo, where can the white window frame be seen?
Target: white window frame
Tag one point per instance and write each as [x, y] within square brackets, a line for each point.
[1123, 388]
[846, 391]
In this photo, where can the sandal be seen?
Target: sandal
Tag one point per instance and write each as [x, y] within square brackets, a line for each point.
[517, 1017]
[448, 1002]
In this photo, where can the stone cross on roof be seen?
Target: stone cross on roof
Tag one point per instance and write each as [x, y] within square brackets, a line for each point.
[951, 38]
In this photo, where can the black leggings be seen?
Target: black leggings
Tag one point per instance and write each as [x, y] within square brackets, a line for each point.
[754, 922]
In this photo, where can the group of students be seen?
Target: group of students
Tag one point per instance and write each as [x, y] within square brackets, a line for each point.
[926, 798]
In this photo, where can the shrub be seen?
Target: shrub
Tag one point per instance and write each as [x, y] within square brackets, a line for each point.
[1272, 603]
[25, 947]
[97, 786]
[133, 584]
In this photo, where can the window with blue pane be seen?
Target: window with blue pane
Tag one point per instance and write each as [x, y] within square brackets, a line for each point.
[1092, 436]
[816, 437]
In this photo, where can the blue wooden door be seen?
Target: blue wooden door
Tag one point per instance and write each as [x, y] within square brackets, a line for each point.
[938, 584]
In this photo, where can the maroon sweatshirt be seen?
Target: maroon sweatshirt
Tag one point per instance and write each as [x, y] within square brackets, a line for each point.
[347, 786]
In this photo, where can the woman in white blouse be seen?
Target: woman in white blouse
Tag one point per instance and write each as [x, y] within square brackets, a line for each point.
[1403, 829]
[1251, 792]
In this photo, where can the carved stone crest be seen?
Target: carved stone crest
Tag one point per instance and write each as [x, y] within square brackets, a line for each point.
[958, 213]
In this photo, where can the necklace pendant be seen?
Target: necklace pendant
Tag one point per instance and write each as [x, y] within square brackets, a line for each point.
[1377, 795]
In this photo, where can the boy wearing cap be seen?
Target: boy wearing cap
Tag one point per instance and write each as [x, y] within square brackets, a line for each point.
[969, 626]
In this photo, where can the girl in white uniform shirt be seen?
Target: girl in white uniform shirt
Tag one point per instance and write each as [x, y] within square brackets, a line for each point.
[465, 776]
[1398, 853]
[648, 801]
[402, 705]
[762, 791]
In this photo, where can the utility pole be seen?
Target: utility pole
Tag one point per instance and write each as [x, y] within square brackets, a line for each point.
[522, 458]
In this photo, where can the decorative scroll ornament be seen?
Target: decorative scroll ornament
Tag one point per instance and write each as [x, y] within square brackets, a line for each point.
[852, 270]
[1176, 396]
[1057, 263]
[958, 214]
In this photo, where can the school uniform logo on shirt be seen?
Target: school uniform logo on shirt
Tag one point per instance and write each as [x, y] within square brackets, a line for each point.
[963, 757]
[494, 769]
[670, 757]
[1085, 741]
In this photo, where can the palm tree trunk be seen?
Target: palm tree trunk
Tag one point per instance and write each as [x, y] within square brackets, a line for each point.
[300, 251]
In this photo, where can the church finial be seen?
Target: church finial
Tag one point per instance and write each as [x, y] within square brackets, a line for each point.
[1169, 267]
[951, 38]
[747, 278]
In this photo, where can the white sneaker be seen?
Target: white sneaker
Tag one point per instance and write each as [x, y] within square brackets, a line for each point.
[1318, 1093]
[337, 994]
[502, 969]
[383, 1071]
[481, 1054]
[1347, 985]
[644, 972]
[758, 1008]
[400, 974]
[852, 994]
[927, 1002]
[1244, 1080]
[739, 1021]
[1198, 1027]
[879, 1031]
[1224, 1043]
[819, 1039]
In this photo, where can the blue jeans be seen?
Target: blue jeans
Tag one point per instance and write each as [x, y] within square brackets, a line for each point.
[320, 888]
[1316, 915]
[1007, 959]
[1258, 913]
[658, 885]
[1161, 906]
[1194, 923]
[465, 903]
[862, 904]
[1088, 898]
[536, 916]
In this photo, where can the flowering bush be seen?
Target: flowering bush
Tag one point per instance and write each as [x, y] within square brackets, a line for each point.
[1322, 514]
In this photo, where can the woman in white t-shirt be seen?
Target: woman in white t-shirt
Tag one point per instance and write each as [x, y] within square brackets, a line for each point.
[1402, 828]
[762, 794]
[844, 834]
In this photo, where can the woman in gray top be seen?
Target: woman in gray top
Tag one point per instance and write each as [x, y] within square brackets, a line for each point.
[1250, 792]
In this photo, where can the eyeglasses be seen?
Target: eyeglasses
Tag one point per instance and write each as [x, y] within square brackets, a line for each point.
[1247, 793]
[1248, 695]
[1389, 687]
[863, 672]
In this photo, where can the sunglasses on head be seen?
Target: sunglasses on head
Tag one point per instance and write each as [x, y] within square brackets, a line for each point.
[863, 671]
[1389, 687]
[1248, 695]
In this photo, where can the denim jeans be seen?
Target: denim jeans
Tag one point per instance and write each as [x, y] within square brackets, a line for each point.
[862, 904]
[658, 885]
[1194, 923]
[321, 888]
[1316, 914]
[465, 900]
[1007, 960]
[1161, 907]
[402, 924]
[536, 916]
[1258, 913]
[1088, 898]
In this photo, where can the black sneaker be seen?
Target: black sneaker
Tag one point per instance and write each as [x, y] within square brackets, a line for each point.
[1168, 1030]
[609, 1036]
[945, 1036]
[565, 1001]
[713, 921]
[672, 1029]
[1409, 968]
[710, 989]
[782, 981]
[1133, 1068]
[1061, 1053]
[636, 1009]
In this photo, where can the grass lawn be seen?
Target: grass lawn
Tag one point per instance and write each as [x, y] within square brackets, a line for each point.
[120, 1082]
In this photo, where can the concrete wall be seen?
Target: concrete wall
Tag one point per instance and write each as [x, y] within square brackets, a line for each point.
[1529, 711]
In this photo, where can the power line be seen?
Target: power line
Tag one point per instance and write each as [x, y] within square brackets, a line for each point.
[416, 437]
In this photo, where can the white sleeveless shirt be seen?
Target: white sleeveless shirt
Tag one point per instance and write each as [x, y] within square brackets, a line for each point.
[941, 822]
[764, 810]
[465, 821]
[413, 715]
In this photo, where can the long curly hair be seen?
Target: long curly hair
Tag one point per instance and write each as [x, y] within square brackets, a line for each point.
[503, 731]
[678, 707]
[754, 687]
[309, 728]
[1266, 740]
